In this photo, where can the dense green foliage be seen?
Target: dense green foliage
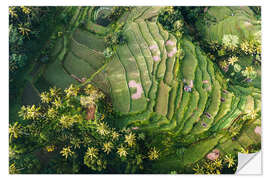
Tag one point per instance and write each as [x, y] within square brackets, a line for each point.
[28, 28]
[115, 37]
[19, 30]
[60, 136]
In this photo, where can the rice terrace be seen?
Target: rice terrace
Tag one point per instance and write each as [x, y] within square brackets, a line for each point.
[133, 90]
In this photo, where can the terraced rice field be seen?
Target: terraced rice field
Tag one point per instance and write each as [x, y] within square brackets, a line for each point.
[241, 20]
[155, 89]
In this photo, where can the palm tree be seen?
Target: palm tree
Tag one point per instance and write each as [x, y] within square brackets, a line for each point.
[23, 112]
[249, 72]
[13, 169]
[153, 154]
[32, 112]
[122, 151]
[92, 153]
[12, 12]
[14, 130]
[52, 113]
[249, 69]
[223, 65]
[102, 129]
[57, 102]
[230, 41]
[26, 10]
[23, 29]
[198, 169]
[115, 135]
[66, 121]
[232, 60]
[130, 139]
[87, 101]
[229, 160]
[50, 148]
[218, 163]
[66, 152]
[244, 151]
[53, 92]
[107, 147]
[71, 91]
[252, 114]
[45, 97]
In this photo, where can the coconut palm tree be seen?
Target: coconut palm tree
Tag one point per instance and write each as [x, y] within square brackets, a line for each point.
[229, 159]
[45, 97]
[12, 12]
[122, 151]
[115, 135]
[130, 139]
[102, 129]
[24, 30]
[153, 154]
[71, 91]
[232, 60]
[14, 130]
[66, 152]
[107, 147]
[92, 153]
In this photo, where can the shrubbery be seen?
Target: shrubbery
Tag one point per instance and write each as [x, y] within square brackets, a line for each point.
[68, 132]
[30, 29]
[24, 28]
